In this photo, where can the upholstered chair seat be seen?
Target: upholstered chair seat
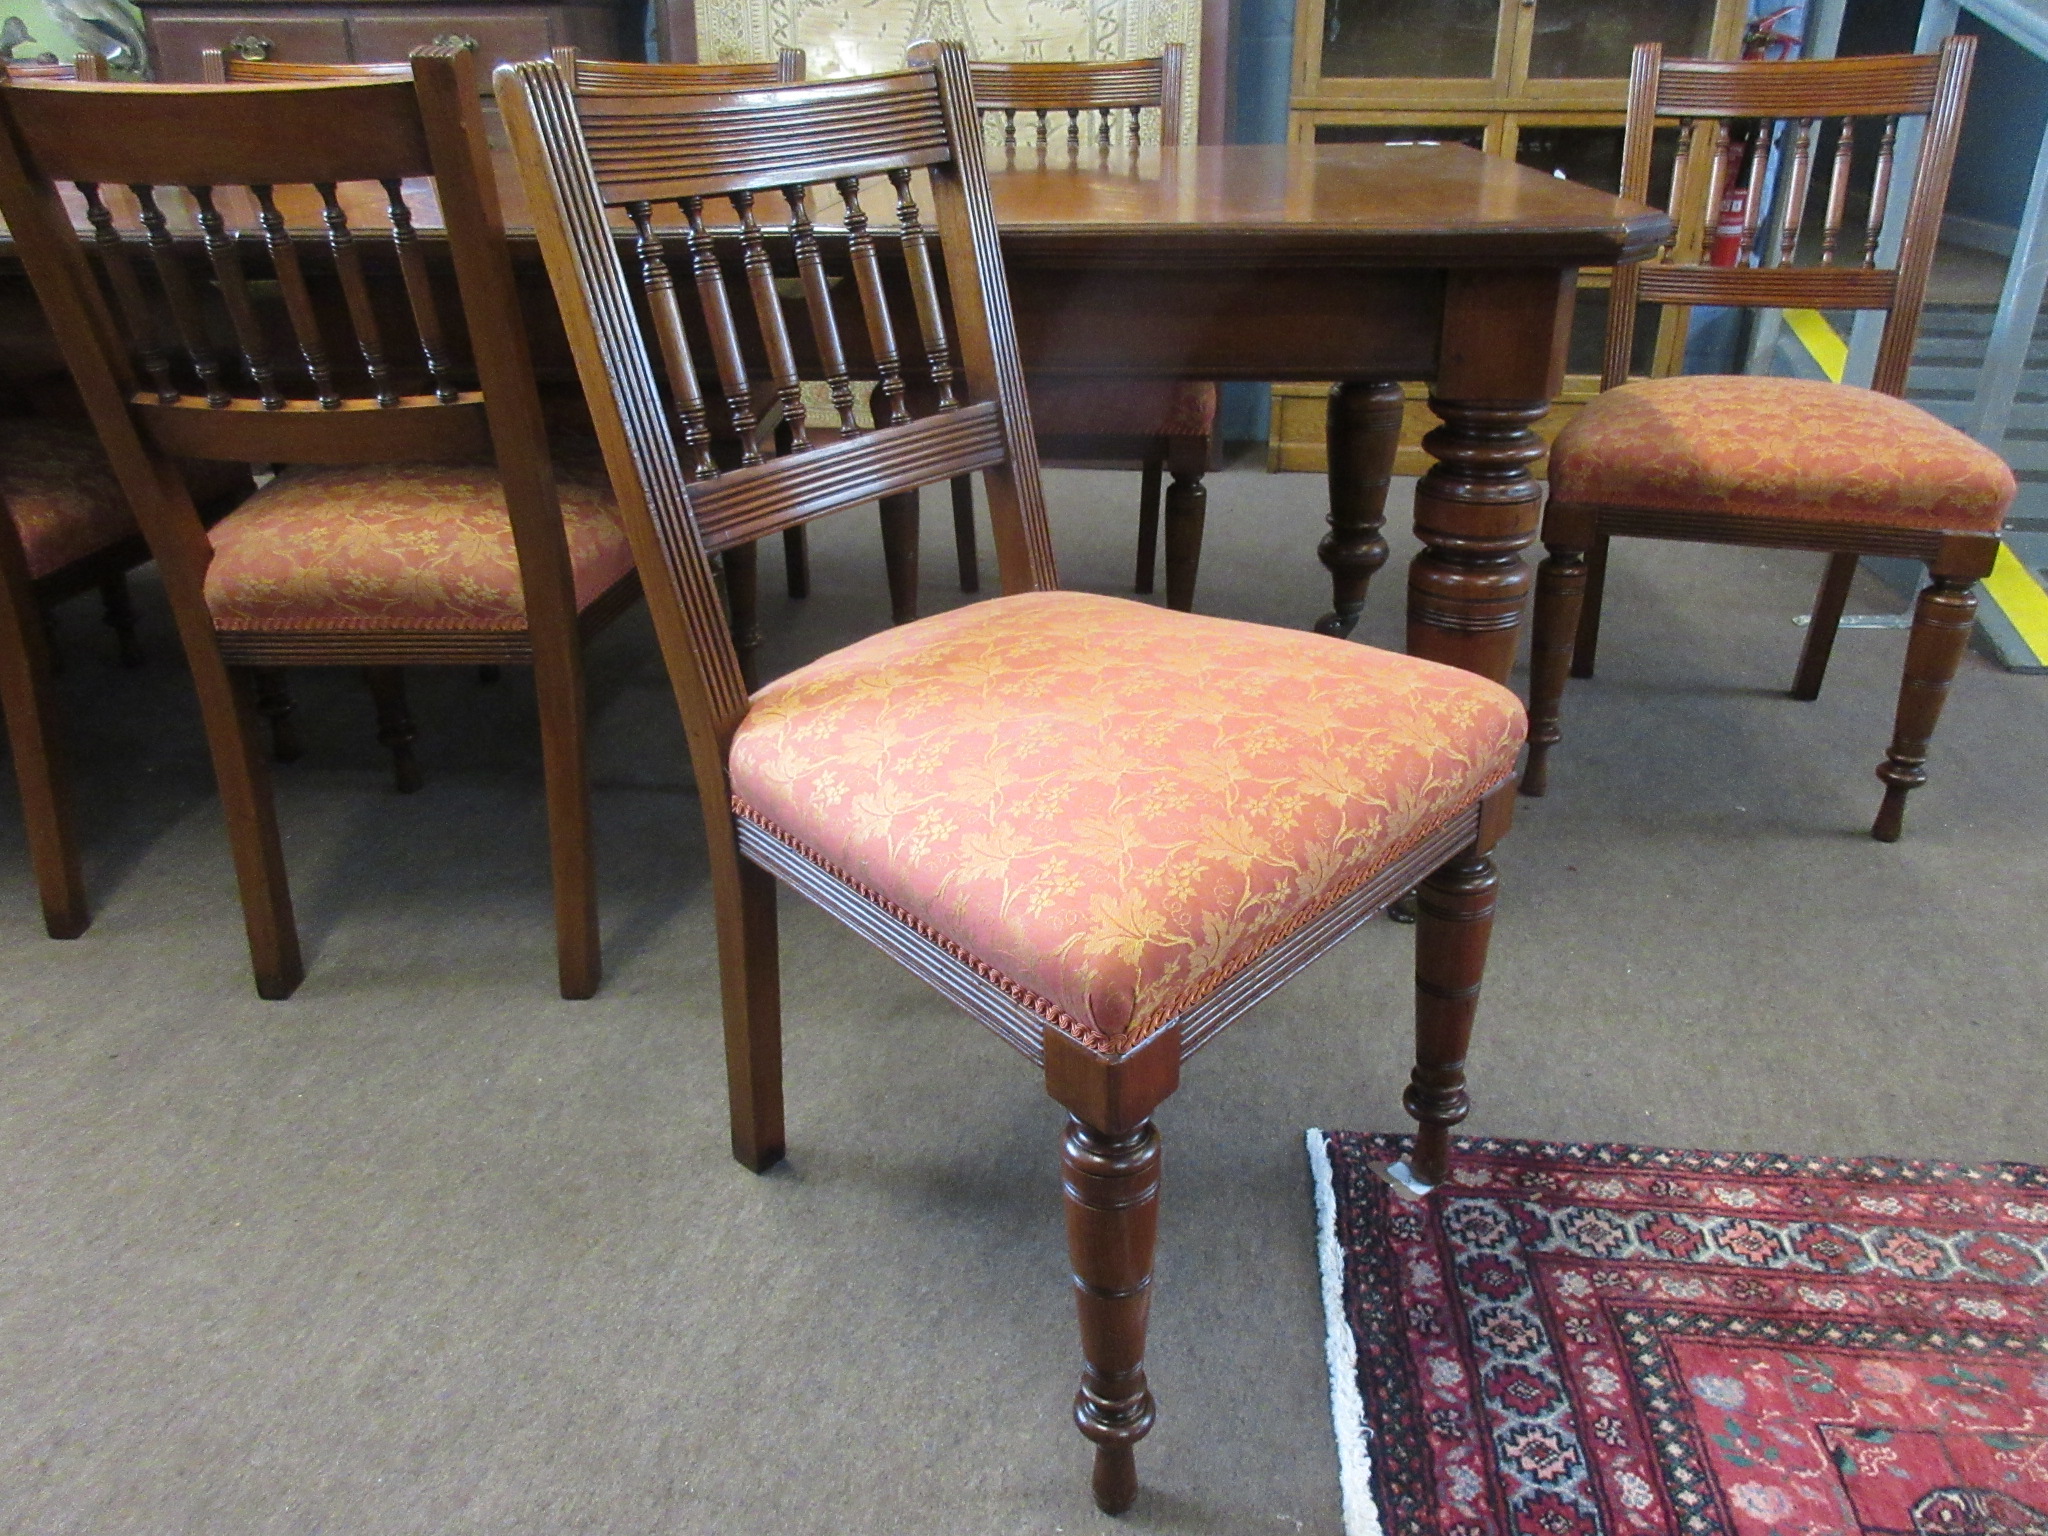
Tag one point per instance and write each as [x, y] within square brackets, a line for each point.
[64, 499]
[1110, 810]
[399, 546]
[1778, 448]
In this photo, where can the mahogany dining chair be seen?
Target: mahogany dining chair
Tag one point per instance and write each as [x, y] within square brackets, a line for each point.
[421, 516]
[1102, 829]
[1164, 424]
[1780, 462]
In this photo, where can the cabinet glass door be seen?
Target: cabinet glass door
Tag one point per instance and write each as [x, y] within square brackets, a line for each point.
[1410, 39]
[1592, 39]
[1470, 134]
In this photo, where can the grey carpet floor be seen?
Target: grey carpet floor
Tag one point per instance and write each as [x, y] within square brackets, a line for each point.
[426, 1249]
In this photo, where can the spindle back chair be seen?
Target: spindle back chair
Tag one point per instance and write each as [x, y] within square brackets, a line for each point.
[419, 518]
[653, 214]
[1118, 94]
[1165, 425]
[1680, 457]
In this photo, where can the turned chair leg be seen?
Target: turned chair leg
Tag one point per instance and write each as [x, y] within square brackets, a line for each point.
[963, 533]
[1587, 643]
[749, 969]
[1111, 1184]
[1560, 591]
[1821, 629]
[899, 554]
[1942, 618]
[38, 761]
[395, 732]
[1456, 920]
[1187, 504]
[274, 704]
[118, 610]
[1149, 474]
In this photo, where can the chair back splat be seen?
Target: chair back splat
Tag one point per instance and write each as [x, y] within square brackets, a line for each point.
[1811, 249]
[695, 177]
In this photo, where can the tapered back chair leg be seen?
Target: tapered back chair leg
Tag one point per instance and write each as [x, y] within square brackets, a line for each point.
[227, 705]
[1187, 507]
[1821, 629]
[1150, 474]
[38, 762]
[750, 970]
[1586, 643]
[118, 609]
[558, 685]
[965, 541]
[1560, 591]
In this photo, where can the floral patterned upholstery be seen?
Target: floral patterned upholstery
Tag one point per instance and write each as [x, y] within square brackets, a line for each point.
[1791, 448]
[1120, 407]
[60, 492]
[1108, 808]
[398, 546]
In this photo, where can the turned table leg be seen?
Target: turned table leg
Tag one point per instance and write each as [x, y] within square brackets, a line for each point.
[1501, 363]
[1364, 432]
[1475, 512]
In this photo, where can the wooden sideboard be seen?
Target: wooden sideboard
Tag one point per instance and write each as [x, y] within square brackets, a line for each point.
[371, 31]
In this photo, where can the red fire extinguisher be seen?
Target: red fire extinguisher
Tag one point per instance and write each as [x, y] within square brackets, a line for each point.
[1733, 214]
[1761, 39]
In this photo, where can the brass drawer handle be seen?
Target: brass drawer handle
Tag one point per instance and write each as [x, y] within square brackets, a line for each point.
[248, 46]
[455, 40]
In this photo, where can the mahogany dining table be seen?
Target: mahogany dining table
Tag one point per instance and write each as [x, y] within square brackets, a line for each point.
[1365, 264]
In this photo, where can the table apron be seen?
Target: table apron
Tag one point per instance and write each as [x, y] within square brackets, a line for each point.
[1271, 325]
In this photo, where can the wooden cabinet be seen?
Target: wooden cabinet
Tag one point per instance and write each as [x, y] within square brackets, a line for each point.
[1540, 81]
[370, 31]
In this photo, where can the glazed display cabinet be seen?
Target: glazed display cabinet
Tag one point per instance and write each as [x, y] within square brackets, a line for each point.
[1542, 82]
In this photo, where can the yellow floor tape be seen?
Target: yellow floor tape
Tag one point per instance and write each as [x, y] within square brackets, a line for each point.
[1821, 341]
[2010, 585]
[2013, 587]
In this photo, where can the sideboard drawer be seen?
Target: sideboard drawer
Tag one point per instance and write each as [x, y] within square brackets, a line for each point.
[180, 39]
[501, 37]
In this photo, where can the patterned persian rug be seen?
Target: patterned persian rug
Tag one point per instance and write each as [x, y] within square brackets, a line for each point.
[1622, 1341]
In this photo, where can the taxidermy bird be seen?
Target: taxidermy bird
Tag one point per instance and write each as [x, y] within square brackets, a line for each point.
[112, 28]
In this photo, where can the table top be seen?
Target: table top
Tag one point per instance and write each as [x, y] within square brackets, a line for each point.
[1364, 202]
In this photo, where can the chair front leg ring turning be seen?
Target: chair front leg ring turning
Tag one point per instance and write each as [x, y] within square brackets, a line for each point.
[1111, 1184]
[1942, 620]
[1455, 921]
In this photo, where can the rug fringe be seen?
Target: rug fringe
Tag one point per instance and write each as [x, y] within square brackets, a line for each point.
[1347, 1408]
